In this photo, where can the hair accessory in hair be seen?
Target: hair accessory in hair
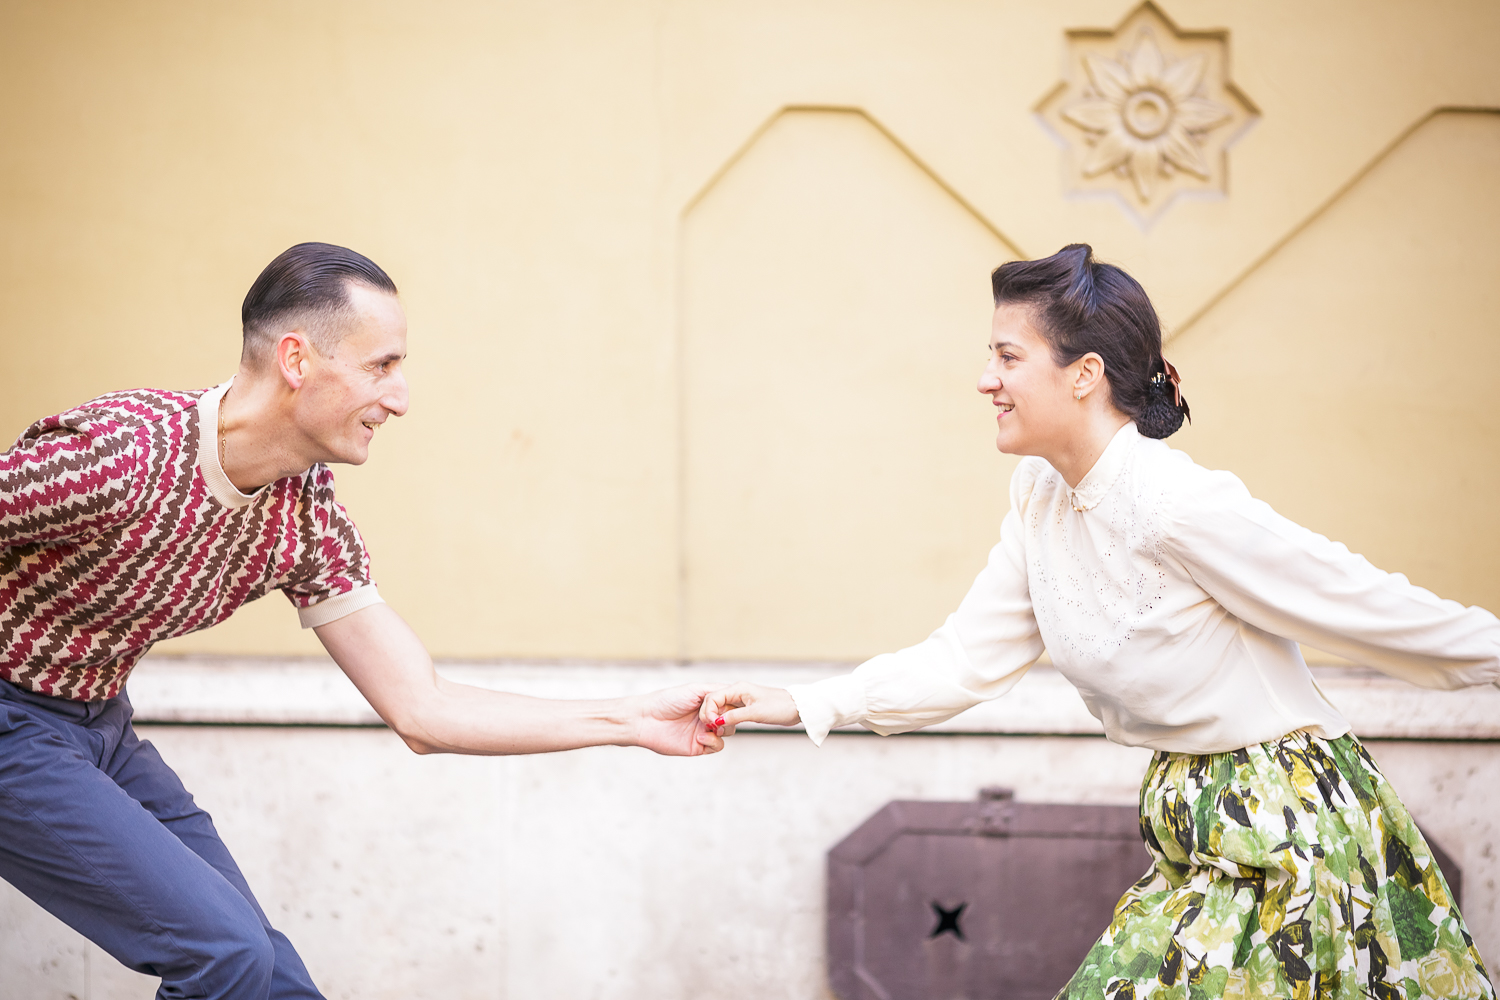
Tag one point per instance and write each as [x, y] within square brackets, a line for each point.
[1176, 381]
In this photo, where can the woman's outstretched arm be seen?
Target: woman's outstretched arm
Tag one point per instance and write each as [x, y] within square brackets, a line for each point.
[980, 652]
[1284, 579]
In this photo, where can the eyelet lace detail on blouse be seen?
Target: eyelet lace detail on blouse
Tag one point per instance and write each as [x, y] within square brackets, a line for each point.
[1111, 574]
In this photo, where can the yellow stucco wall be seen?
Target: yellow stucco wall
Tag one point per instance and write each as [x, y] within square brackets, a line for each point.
[698, 291]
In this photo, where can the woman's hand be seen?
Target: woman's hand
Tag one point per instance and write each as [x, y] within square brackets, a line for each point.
[735, 703]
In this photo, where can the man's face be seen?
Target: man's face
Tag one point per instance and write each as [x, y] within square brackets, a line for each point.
[344, 397]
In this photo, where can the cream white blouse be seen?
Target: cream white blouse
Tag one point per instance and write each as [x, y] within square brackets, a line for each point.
[1174, 601]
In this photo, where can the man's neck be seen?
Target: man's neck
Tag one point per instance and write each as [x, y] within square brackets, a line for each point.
[256, 439]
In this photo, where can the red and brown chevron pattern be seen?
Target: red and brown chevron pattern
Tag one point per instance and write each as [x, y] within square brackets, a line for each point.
[110, 540]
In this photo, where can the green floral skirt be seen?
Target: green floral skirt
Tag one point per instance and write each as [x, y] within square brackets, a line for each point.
[1286, 869]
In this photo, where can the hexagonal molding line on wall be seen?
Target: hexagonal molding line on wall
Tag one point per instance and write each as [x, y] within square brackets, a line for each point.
[1146, 112]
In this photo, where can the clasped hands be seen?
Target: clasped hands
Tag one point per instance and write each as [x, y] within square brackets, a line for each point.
[693, 719]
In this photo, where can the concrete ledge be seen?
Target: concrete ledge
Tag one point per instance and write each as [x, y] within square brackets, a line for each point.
[312, 691]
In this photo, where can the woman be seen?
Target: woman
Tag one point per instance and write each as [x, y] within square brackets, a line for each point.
[1284, 863]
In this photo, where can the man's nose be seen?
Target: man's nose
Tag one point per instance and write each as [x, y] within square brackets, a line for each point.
[989, 381]
[398, 398]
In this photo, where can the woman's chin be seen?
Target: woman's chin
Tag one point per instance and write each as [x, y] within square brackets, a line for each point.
[1009, 443]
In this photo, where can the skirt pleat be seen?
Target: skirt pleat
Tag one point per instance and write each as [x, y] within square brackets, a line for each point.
[1286, 869]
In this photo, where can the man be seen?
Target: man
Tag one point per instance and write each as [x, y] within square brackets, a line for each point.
[148, 514]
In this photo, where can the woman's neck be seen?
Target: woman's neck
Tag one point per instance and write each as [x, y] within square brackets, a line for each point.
[1080, 451]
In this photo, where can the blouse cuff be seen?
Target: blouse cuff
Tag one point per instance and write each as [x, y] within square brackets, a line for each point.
[828, 704]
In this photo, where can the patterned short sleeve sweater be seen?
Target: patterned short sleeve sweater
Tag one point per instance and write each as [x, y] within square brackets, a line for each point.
[118, 530]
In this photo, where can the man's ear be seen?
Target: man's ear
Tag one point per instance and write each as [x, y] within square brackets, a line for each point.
[293, 356]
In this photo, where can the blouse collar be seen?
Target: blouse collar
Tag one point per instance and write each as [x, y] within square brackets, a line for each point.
[1094, 486]
[214, 476]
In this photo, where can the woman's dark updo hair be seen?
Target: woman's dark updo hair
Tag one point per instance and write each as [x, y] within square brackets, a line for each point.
[1080, 306]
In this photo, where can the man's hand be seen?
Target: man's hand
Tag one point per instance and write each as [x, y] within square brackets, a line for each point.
[669, 722]
[727, 707]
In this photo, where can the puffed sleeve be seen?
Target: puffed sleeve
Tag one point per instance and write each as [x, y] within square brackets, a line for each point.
[68, 477]
[978, 654]
[1292, 582]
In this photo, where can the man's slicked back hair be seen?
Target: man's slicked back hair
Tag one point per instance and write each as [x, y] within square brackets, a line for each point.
[306, 284]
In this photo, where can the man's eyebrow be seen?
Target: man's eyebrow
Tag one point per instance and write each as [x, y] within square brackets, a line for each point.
[387, 359]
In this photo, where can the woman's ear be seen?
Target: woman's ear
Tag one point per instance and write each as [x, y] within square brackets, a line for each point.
[1088, 375]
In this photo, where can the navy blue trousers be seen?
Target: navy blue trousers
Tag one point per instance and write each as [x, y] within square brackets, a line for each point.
[98, 830]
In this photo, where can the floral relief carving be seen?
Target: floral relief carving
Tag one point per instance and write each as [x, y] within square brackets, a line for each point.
[1147, 111]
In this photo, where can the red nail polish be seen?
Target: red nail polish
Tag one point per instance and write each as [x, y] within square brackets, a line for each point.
[719, 722]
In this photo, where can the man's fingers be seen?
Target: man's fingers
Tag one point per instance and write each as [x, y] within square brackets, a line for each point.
[708, 712]
[679, 702]
[696, 693]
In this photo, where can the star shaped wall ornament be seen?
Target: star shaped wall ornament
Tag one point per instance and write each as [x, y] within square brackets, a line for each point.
[1147, 111]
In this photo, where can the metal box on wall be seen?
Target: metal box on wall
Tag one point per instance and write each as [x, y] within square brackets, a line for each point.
[994, 899]
[969, 900]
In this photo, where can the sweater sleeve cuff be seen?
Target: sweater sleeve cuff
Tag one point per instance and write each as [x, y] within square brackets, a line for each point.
[828, 704]
[339, 606]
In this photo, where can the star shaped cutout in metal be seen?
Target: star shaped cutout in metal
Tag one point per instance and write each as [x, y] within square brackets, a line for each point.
[948, 921]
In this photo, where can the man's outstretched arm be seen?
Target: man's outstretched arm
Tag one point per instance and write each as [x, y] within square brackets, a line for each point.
[390, 666]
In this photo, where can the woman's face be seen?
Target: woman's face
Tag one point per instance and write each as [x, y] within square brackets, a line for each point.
[1034, 404]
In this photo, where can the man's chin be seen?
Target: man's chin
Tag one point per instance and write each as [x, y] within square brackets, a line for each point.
[352, 455]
